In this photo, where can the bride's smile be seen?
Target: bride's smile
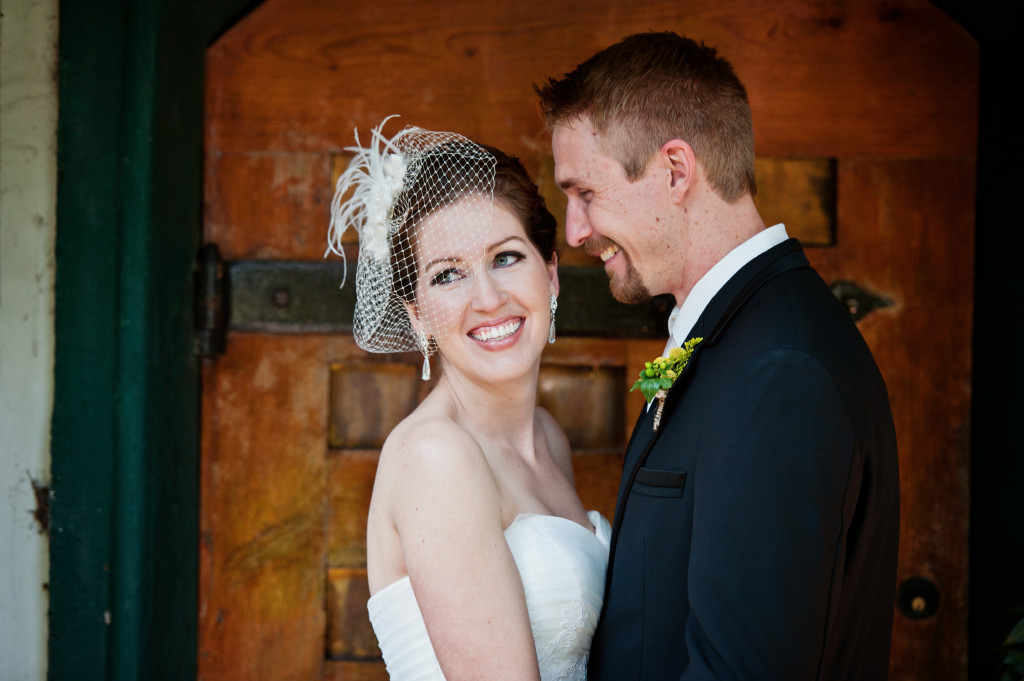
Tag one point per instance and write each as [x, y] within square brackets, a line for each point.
[492, 335]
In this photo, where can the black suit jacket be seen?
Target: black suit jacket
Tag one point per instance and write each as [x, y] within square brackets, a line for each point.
[756, 532]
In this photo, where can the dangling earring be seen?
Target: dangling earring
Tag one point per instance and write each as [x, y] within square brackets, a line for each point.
[425, 346]
[551, 329]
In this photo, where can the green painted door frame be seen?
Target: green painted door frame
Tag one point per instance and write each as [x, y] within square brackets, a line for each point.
[125, 468]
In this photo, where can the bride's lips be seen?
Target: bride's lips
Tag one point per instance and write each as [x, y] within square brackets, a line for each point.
[498, 332]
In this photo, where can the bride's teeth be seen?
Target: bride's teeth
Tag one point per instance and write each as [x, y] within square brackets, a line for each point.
[498, 332]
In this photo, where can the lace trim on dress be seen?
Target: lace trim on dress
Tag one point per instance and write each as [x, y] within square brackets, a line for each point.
[559, 667]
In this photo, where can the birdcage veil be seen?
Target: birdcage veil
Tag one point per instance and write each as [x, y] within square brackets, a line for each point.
[422, 197]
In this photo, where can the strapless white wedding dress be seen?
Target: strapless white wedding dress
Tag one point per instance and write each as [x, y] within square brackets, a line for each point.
[562, 565]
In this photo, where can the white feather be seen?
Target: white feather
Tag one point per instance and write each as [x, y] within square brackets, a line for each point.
[376, 175]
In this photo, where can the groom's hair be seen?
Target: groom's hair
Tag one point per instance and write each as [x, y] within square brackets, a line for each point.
[650, 88]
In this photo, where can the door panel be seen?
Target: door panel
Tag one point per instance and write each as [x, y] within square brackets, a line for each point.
[907, 228]
[263, 501]
[865, 118]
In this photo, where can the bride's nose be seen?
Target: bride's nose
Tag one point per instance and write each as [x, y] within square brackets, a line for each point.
[488, 293]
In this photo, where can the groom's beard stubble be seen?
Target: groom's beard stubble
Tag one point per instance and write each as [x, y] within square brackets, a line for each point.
[628, 288]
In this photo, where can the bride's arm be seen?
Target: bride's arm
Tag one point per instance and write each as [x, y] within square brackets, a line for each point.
[448, 514]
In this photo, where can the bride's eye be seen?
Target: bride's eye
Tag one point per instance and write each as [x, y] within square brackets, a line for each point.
[449, 275]
[507, 258]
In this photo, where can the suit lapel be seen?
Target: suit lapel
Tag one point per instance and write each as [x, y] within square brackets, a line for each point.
[710, 326]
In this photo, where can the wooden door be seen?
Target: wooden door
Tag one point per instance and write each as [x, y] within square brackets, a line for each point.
[865, 120]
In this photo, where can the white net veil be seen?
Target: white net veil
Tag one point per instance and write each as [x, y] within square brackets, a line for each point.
[421, 205]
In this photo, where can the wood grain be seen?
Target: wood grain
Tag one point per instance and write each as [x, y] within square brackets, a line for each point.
[350, 482]
[800, 192]
[349, 635]
[268, 205]
[368, 399]
[345, 670]
[824, 78]
[262, 510]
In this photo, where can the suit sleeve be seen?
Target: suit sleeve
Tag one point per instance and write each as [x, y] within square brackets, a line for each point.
[772, 491]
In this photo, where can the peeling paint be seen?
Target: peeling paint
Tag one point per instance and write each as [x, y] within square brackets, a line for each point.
[41, 514]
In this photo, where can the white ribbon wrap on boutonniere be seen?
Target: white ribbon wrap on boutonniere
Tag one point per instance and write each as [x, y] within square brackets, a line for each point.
[660, 396]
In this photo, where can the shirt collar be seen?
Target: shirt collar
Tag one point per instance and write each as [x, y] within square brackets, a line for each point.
[684, 316]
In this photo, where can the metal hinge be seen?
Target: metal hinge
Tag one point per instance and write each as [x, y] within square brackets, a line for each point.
[211, 305]
[275, 296]
[857, 301]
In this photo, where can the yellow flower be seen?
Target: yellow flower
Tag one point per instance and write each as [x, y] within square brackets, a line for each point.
[659, 375]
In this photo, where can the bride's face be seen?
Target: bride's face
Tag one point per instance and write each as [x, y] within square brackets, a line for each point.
[484, 296]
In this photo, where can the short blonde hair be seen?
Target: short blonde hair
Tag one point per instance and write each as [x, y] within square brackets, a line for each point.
[650, 88]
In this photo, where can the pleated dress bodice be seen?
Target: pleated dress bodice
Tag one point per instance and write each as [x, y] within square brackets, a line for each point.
[562, 565]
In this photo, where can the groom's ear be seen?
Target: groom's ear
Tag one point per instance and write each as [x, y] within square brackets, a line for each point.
[677, 160]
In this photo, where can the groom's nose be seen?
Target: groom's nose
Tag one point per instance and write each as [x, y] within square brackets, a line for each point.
[577, 226]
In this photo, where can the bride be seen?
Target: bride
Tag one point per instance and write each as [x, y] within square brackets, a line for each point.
[481, 561]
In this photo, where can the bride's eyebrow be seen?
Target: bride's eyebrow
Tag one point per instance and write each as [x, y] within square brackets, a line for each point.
[455, 260]
[498, 244]
[450, 259]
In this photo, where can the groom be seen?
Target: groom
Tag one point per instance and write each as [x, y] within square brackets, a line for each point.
[756, 528]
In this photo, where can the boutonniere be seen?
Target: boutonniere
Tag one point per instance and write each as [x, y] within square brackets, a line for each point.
[661, 373]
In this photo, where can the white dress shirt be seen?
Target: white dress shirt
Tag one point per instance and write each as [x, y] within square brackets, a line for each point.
[684, 316]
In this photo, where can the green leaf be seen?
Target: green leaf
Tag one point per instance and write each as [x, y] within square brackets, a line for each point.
[1016, 635]
[649, 387]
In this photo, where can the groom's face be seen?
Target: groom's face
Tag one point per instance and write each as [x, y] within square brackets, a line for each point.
[612, 218]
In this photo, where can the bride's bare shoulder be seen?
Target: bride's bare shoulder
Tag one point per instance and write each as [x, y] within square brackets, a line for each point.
[428, 446]
[426, 433]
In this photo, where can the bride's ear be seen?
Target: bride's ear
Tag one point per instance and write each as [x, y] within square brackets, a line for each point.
[553, 273]
[414, 317]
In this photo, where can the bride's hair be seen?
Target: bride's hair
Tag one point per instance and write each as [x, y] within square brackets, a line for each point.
[514, 189]
[436, 187]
